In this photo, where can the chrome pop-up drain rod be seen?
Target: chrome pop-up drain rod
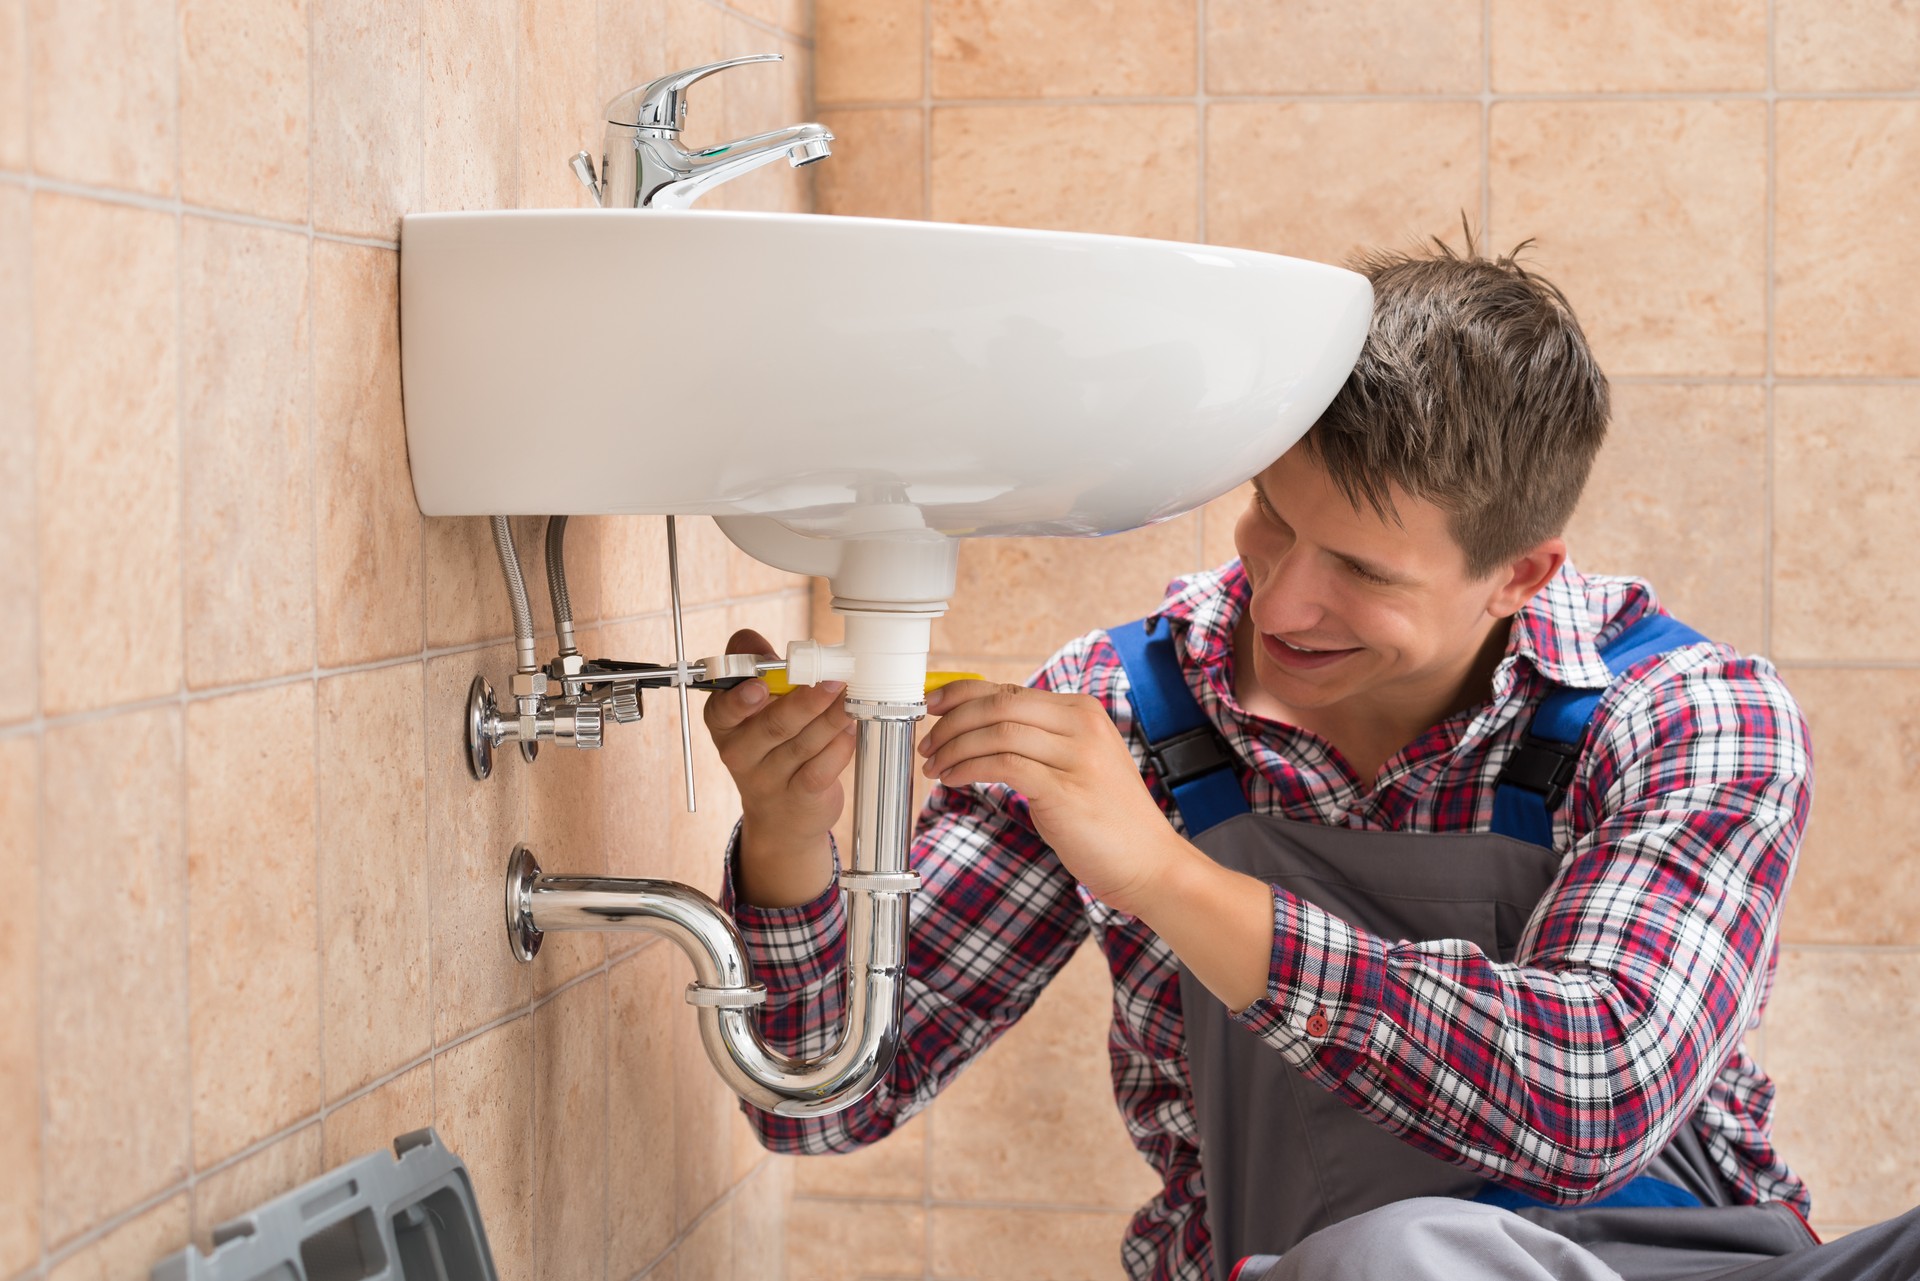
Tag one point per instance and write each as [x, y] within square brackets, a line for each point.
[680, 658]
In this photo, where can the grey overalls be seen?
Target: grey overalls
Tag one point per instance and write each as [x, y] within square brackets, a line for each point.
[1282, 1158]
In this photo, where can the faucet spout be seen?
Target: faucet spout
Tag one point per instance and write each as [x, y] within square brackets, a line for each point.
[695, 173]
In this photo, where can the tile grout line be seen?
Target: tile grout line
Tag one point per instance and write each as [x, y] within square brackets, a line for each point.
[518, 54]
[1873, 949]
[533, 1137]
[606, 1086]
[1200, 137]
[1847, 664]
[43, 1107]
[1486, 122]
[186, 648]
[426, 848]
[926, 109]
[313, 584]
[1763, 380]
[160, 204]
[1768, 487]
[1451, 96]
[419, 192]
[771, 28]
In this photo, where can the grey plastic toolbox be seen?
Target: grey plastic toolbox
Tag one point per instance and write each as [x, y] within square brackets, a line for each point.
[406, 1217]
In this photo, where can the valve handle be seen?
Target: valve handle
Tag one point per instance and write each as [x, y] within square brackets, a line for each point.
[582, 163]
[661, 104]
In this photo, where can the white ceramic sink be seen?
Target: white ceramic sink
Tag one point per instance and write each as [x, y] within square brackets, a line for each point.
[852, 377]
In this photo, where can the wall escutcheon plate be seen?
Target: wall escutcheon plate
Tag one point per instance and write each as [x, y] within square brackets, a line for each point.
[483, 719]
[481, 712]
[522, 871]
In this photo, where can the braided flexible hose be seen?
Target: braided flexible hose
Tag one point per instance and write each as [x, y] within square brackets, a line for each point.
[557, 582]
[517, 591]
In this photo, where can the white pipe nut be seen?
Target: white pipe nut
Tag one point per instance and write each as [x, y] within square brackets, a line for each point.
[889, 649]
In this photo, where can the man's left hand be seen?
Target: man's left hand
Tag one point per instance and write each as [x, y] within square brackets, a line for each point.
[1083, 789]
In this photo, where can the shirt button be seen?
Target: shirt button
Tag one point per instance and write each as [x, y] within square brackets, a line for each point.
[1317, 1024]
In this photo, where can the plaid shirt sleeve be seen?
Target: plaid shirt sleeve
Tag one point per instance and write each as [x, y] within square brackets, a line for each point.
[1565, 1072]
[996, 918]
[798, 953]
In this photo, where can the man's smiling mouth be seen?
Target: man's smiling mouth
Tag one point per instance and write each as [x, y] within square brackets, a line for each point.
[1289, 654]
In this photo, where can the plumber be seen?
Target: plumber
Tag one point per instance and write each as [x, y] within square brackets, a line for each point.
[1438, 880]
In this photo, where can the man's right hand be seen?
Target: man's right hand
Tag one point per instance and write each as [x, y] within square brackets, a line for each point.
[786, 756]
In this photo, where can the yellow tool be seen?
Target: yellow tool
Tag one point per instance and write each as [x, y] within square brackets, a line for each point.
[777, 682]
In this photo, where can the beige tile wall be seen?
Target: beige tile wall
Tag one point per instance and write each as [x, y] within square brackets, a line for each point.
[261, 932]
[1725, 189]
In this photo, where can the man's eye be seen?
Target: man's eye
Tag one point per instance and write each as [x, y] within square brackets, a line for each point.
[1364, 576]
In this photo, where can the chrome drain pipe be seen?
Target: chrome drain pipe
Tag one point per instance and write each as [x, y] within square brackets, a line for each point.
[877, 881]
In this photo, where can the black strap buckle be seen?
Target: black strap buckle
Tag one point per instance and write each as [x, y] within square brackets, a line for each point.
[1542, 765]
[1187, 756]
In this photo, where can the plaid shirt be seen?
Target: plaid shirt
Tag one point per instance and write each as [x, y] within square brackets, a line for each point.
[1560, 1074]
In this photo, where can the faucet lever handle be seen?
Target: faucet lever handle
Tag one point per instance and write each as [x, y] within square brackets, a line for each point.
[661, 104]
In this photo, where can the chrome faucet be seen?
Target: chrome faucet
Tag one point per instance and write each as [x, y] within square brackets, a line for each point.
[643, 165]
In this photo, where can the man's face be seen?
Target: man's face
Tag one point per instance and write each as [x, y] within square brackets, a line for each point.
[1347, 604]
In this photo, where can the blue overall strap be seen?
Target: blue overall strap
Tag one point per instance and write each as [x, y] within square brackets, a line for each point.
[1531, 787]
[1535, 779]
[1193, 761]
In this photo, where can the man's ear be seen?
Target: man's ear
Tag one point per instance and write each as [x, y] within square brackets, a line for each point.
[1522, 578]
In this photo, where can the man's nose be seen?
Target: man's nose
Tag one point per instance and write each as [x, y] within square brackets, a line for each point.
[1290, 596]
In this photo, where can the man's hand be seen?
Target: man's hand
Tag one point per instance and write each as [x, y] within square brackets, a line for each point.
[1063, 753]
[786, 756]
[1088, 801]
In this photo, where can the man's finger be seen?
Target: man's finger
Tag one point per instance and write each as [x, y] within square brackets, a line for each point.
[987, 703]
[824, 770]
[1010, 768]
[726, 710]
[951, 695]
[811, 738]
[748, 641]
[788, 715]
[999, 739]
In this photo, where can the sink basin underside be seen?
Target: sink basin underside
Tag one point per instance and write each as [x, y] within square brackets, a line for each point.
[853, 375]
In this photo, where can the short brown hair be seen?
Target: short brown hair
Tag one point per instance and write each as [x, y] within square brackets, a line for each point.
[1476, 392]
